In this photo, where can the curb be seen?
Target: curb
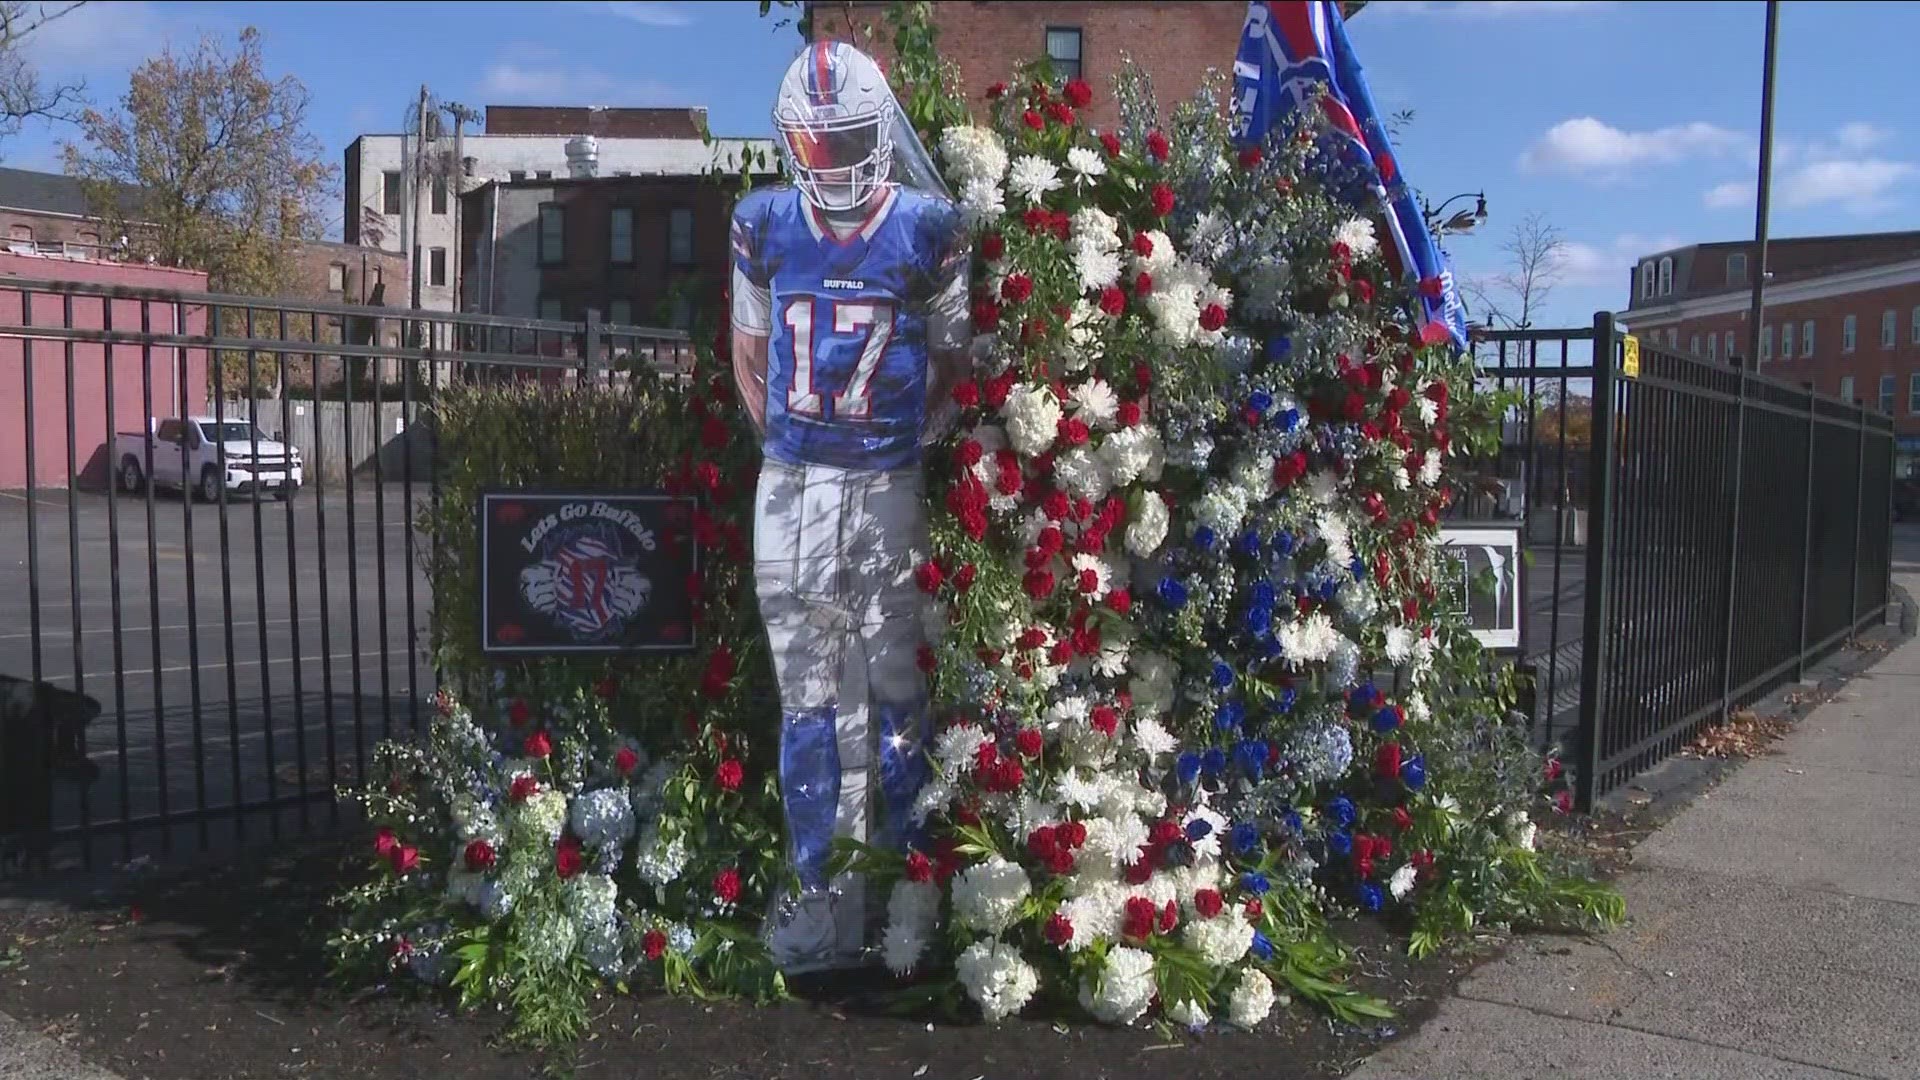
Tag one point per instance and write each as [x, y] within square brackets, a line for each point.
[26, 1054]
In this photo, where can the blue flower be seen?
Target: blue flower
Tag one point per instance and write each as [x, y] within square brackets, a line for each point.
[1251, 755]
[1358, 569]
[1222, 675]
[1172, 593]
[1246, 837]
[1249, 543]
[1289, 419]
[1260, 401]
[1387, 719]
[1187, 767]
[1372, 897]
[1341, 810]
[1229, 715]
[1292, 820]
[1364, 694]
[1269, 648]
[1199, 829]
[1264, 594]
[1255, 882]
[1328, 589]
[1203, 538]
[1279, 346]
[1283, 544]
[1259, 619]
[1414, 771]
[1261, 947]
[1340, 843]
[1288, 697]
[1214, 763]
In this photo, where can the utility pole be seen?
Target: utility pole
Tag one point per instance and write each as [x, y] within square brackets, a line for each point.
[419, 170]
[1762, 191]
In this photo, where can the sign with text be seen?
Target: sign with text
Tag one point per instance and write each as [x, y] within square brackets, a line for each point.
[585, 572]
[1485, 579]
[1630, 356]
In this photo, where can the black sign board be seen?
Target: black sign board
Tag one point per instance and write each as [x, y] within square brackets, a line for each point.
[585, 572]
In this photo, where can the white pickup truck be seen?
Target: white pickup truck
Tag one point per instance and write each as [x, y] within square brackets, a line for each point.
[254, 463]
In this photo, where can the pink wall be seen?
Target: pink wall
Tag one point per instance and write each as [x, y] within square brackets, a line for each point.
[96, 367]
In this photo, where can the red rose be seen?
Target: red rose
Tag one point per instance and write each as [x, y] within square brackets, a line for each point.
[654, 944]
[1363, 868]
[718, 674]
[1250, 157]
[729, 775]
[1162, 197]
[1016, 288]
[919, 867]
[1061, 112]
[1208, 903]
[1157, 145]
[1354, 407]
[1213, 317]
[992, 246]
[726, 885]
[1033, 120]
[1113, 302]
[384, 843]
[479, 855]
[1077, 93]
[524, 787]
[1110, 143]
[625, 761]
[1138, 922]
[1029, 742]
[539, 745]
[404, 858]
[929, 576]
[966, 394]
[518, 712]
[1422, 861]
[986, 313]
[1059, 931]
[1104, 720]
[568, 859]
[1386, 761]
[1120, 600]
[996, 91]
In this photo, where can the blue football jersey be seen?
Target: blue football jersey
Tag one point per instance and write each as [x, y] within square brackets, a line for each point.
[847, 359]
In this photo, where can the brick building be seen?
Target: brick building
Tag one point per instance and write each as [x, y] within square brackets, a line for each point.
[1174, 42]
[1842, 314]
[48, 214]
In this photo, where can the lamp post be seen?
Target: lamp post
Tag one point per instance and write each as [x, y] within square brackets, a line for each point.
[1461, 221]
[1762, 190]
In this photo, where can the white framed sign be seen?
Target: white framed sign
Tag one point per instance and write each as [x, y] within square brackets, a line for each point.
[1485, 579]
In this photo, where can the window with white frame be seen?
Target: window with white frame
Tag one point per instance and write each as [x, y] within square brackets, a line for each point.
[1849, 333]
[1915, 333]
[1729, 349]
[1666, 276]
[1786, 341]
[1886, 394]
[1846, 389]
[1646, 279]
[1889, 328]
[1806, 338]
[1766, 343]
[620, 235]
[1063, 51]
[1693, 344]
[1913, 394]
[1673, 337]
[680, 236]
[1713, 346]
[1737, 268]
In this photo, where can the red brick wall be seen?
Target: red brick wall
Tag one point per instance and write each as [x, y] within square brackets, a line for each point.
[610, 123]
[1174, 42]
[25, 225]
[362, 268]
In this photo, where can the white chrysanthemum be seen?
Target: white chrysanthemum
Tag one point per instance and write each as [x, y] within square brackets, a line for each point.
[540, 820]
[1332, 527]
[1206, 848]
[1102, 576]
[1309, 640]
[1152, 683]
[1399, 644]
[1116, 645]
[1430, 468]
[1032, 414]
[996, 978]
[1429, 410]
[1417, 708]
[987, 896]
[1521, 829]
[1148, 529]
[1401, 883]
[1130, 453]
[1126, 989]
[1096, 268]
[1176, 313]
[1221, 509]
[1112, 842]
[1401, 481]
[1251, 1000]
[973, 153]
[1086, 163]
[1209, 238]
[1189, 1014]
[1077, 790]
[955, 748]
[982, 202]
[1422, 657]
[1096, 228]
[1095, 402]
[1030, 812]
[1081, 473]
[1156, 260]
[1032, 178]
[1322, 487]
[934, 795]
[1221, 940]
[1095, 914]
[911, 911]
[1153, 738]
[1357, 234]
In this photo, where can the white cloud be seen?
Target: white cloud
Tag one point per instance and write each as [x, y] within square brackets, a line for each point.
[1836, 170]
[650, 13]
[96, 38]
[1588, 144]
[540, 76]
[1858, 185]
[1730, 195]
[1584, 264]
[1860, 135]
[1484, 9]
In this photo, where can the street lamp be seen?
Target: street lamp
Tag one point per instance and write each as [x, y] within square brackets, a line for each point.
[1462, 220]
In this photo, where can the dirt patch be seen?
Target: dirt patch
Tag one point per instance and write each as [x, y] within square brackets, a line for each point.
[221, 973]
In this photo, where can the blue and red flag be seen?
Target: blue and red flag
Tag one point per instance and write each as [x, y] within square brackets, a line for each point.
[1292, 51]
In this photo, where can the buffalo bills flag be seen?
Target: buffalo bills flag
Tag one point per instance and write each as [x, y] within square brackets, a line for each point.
[1293, 50]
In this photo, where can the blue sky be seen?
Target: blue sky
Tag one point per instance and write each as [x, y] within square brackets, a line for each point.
[1629, 126]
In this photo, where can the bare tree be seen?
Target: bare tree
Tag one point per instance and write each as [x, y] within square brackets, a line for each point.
[23, 94]
[1536, 261]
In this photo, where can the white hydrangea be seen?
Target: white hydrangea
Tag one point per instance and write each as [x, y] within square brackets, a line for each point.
[1095, 402]
[1152, 683]
[1152, 737]
[1032, 415]
[1126, 987]
[603, 818]
[1221, 509]
[1082, 473]
[1083, 161]
[912, 909]
[547, 936]
[1309, 640]
[973, 153]
[659, 860]
[1221, 940]
[475, 820]
[1096, 267]
[987, 896]
[1095, 228]
[540, 820]
[1156, 260]
[1083, 563]
[1032, 177]
[1357, 234]
[1251, 1000]
[955, 748]
[1132, 454]
[996, 978]
[1148, 529]
[1401, 883]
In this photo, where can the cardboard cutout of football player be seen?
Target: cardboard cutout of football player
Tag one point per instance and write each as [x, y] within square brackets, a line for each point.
[849, 328]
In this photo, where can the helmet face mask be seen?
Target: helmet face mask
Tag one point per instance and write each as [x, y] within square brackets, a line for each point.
[834, 117]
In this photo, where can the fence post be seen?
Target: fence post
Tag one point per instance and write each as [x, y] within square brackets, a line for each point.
[1859, 516]
[1593, 647]
[1806, 540]
[1733, 541]
[590, 345]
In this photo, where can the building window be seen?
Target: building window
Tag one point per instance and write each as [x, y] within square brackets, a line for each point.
[1693, 344]
[1889, 328]
[1915, 337]
[439, 196]
[337, 277]
[516, 176]
[1673, 337]
[1849, 333]
[1729, 346]
[680, 237]
[1737, 268]
[437, 266]
[390, 191]
[90, 238]
[1766, 343]
[620, 312]
[20, 232]
[543, 174]
[553, 234]
[550, 308]
[1666, 276]
[682, 314]
[1063, 50]
[1646, 280]
[1806, 338]
[1886, 394]
[623, 172]
[1786, 341]
[1713, 346]
[620, 236]
[1913, 394]
[1846, 389]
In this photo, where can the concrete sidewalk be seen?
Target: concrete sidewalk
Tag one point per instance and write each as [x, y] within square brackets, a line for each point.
[1774, 927]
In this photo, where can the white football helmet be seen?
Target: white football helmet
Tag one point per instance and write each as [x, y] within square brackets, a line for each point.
[835, 117]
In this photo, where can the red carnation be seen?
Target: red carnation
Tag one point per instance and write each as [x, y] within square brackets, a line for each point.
[1113, 302]
[966, 394]
[1120, 600]
[1016, 288]
[1208, 903]
[1061, 112]
[729, 775]
[969, 451]
[518, 712]
[1039, 583]
[1386, 761]
[1162, 198]
[1554, 769]
[726, 885]
[924, 659]
[999, 387]
[919, 867]
[1138, 922]
[1077, 93]
[1073, 431]
[1402, 820]
[1104, 720]
[1163, 832]
[1031, 638]
[1029, 742]
[1251, 157]
[719, 672]
[608, 687]
[1062, 224]
[986, 313]
[524, 787]
[654, 944]
[992, 246]
[963, 578]
[1129, 413]
[1088, 581]
[1363, 289]
[1049, 540]
[1157, 145]
[1563, 801]
[1059, 931]
[997, 90]
[1213, 317]
[1033, 119]
[625, 761]
[568, 859]
[404, 857]
[1110, 143]
[1169, 917]
[539, 745]
[384, 843]
[929, 575]
[1255, 910]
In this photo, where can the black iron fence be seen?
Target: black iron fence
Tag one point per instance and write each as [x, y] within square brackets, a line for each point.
[183, 660]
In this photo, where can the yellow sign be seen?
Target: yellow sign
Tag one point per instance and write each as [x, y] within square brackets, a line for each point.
[1630, 364]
